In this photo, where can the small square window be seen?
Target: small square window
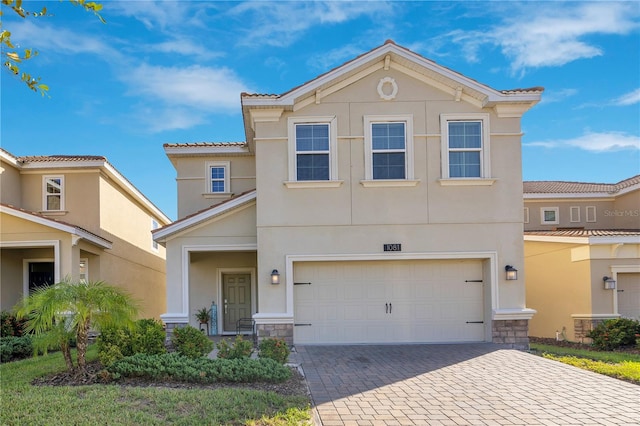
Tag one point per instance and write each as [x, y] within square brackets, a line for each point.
[218, 177]
[549, 216]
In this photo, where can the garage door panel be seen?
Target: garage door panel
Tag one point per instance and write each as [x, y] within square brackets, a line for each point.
[628, 292]
[347, 302]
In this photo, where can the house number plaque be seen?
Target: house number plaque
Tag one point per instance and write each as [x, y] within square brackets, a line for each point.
[393, 247]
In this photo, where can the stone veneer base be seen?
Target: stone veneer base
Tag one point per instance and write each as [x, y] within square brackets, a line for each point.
[511, 332]
[280, 331]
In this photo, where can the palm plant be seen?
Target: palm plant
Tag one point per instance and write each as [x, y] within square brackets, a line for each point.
[57, 313]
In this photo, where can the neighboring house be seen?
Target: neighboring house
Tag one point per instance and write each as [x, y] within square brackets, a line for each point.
[378, 203]
[77, 216]
[576, 234]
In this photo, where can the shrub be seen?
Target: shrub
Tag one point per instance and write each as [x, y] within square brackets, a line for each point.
[240, 349]
[191, 342]
[173, 366]
[10, 325]
[13, 348]
[146, 336]
[275, 349]
[614, 333]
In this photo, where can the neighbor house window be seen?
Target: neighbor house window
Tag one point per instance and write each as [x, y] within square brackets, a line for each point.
[526, 215]
[84, 271]
[53, 193]
[312, 151]
[591, 214]
[549, 216]
[388, 148]
[465, 146]
[574, 214]
[218, 177]
[154, 226]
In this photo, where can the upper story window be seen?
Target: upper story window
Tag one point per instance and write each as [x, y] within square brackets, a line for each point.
[388, 150]
[154, 226]
[549, 215]
[312, 152]
[218, 177]
[53, 191]
[465, 146]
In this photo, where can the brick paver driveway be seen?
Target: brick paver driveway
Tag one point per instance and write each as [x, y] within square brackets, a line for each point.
[475, 384]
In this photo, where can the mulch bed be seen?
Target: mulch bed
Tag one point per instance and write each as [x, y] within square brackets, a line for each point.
[295, 385]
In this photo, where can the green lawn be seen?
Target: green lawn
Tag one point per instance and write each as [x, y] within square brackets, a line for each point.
[620, 365]
[23, 403]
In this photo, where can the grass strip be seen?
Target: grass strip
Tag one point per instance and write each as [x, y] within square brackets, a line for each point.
[611, 357]
[112, 404]
[625, 370]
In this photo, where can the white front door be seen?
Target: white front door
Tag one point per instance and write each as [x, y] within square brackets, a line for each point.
[413, 301]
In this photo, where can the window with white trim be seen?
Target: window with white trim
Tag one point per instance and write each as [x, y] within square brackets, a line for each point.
[388, 147]
[574, 214]
[154, 226]
[465, 146]
[526, 215]
[218, 177]
[312, 149]
[53, 192]
[549, 215]
[591, 214]
[83, 275]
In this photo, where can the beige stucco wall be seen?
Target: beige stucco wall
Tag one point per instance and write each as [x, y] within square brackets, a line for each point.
[10, 185]
[626, 213]
[192, 180]
[355, 219]
[557, 287]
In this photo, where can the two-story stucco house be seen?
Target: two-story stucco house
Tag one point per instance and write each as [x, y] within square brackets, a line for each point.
[379, 202]
[77, 216]
[582, 254]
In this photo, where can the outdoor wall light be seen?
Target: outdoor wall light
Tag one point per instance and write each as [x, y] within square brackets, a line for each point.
[609, 283]
[512, 273]
[275, 277]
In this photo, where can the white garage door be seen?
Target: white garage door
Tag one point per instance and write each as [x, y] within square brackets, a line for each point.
[424, 301]
[629, 295]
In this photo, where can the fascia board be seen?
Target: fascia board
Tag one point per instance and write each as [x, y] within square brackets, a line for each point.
[9, 158]
[100, 242]
[571, 196]
[163, 233]
[38, 165]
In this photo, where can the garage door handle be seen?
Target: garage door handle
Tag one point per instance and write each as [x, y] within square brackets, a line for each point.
[475, 322]
[386, 308]
[390, 307]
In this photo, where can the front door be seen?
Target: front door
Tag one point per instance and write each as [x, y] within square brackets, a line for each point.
[236, 299]
[40, 275]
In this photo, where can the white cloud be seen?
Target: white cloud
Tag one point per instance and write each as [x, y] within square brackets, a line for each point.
[630, 98]
[195, 86]
[549, 34]
[169, 118]
[551, 96]
[153, 14]
[281, 23]
[595, 142]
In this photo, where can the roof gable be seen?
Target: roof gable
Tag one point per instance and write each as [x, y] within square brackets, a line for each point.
[393, 56]
[535, 189]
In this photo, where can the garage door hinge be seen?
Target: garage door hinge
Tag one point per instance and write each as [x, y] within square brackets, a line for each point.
[301, 283]
[475, 322]
[301, 325]
[472, 281]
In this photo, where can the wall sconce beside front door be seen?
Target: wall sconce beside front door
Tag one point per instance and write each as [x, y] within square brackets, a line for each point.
[609, 283]
[275, 277]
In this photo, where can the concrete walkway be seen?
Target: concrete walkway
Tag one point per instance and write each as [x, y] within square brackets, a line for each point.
[474, 384]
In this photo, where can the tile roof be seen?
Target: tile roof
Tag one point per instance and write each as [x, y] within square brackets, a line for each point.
[563, 187]
[202, 144]
[586, 232]
[54, 158]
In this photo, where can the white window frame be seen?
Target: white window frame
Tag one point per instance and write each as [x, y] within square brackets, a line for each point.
[45, 194]
[526, 215]
[485, 150]
[556, 210]
[293, 181]
[574, 214]
[226, 165]
[591, 214]
[369, 121]
[86, 270]
[154, 225]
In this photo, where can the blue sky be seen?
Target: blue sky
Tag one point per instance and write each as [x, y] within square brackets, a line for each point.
[173, 71]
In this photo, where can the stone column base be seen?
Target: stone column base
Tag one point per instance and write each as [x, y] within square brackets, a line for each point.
[280, 331]
[582, 327]
[514, 333]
